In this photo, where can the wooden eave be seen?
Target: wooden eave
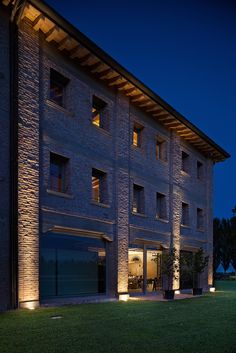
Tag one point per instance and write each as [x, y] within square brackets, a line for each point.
[84, 52]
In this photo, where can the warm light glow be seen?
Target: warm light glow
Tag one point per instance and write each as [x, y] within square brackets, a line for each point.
[31, 305]
[123, 297]
[96, 117]
[135, 138]
[177, 291]
[212, 289]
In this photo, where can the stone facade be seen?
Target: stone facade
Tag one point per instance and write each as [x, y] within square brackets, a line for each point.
[44, 128]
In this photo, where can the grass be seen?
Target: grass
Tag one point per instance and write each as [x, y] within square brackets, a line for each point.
[205, 324]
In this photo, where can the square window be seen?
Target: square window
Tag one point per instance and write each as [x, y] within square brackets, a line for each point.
[161, 206]
[185, 162]
[99, 113]
[58, 173]
[200, 218]
[137, 135]
[161, 149]
[185, 214]
[58, 84]
[99, 186]
[199, 170]
[138, 199]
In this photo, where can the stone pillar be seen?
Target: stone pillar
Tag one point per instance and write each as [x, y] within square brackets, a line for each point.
[28, 172]
[122, 190]
[175, 196]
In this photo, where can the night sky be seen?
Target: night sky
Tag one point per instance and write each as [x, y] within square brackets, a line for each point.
[183, 50]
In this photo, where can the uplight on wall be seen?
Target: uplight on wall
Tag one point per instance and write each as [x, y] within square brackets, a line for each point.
[123, 297]
[212, 289]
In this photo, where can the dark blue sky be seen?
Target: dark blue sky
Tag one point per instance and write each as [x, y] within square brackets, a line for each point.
[186, 52]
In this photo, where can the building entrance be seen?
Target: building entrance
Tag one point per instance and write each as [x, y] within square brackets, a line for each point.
[144, 270]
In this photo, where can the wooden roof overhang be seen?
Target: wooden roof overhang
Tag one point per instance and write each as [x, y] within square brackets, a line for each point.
[94, 60]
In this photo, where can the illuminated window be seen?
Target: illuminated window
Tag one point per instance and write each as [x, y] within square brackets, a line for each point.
[58, 84]
[161, 149]
[185, 214]
[185, 162]
[161, 206]
[58, 171]
[99, 113]
[199, 170]
[138, 199]
[137, 134]
[99, 186]
[200, 218]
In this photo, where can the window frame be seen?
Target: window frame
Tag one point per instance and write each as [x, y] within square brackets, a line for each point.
[61, 82]
[63, 163]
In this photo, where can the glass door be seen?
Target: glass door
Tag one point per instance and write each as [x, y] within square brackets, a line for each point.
[135, 280]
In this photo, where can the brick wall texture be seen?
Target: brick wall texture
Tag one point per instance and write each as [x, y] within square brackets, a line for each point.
[45, 127]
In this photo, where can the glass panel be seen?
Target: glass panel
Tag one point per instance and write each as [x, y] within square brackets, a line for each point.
[72, 266]
[135, 282]
[56, 92]
[153, 270]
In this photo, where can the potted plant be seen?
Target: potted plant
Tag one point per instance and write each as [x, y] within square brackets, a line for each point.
[170, 270]
[199, 263]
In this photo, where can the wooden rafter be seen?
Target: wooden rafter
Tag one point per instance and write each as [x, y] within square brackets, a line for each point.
[103, 74]
[75, 51]
[50, 35]
[38, 22]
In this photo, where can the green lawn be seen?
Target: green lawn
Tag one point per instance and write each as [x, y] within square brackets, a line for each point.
[206, 324]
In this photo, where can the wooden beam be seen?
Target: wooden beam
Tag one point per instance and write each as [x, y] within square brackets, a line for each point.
[163, 117]
[122, 85]
[113, 81]
[104, 73]
[63, 42]
[84, 59]
[130, 90]
[50, 35]
[173, 125]
[156, 109]
[38, 21]
[144, 103]
[138, 98]
[75, 52]
[93, 68]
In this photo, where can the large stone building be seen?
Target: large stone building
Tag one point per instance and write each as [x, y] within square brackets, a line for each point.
[98, 174]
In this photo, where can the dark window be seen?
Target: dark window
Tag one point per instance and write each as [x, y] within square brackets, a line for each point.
[58, 173]
[185, 162]
[200, 218]
[72, 265]
[138, 199]
[99, 186]
[161, 206]
[99, 113]
[199, 170]
[161, 150]
[185, 214]
[58, 84]
[137, 135]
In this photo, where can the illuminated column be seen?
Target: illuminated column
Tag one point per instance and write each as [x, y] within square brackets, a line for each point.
[208, 274]
[175, 196]
[28, 170]
[122, 191]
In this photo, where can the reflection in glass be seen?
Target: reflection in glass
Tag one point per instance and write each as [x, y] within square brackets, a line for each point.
[72, 266]
[153, 270]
